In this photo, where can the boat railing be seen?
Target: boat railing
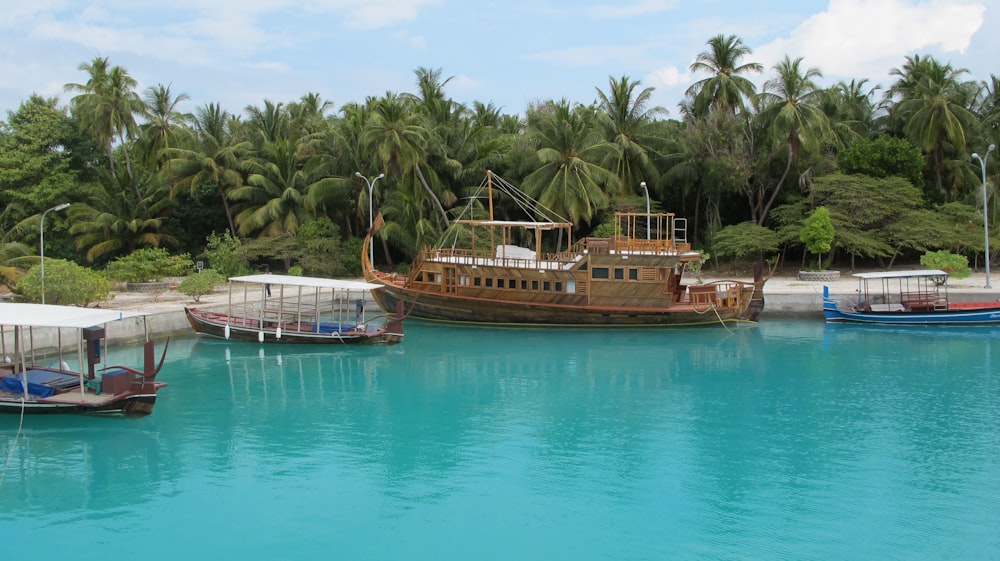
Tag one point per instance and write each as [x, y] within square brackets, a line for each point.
[714, 294]
[923, 301]
[625, 244]
[469, 257]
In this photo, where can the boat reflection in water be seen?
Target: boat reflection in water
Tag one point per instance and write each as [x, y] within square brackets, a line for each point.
[791, 439]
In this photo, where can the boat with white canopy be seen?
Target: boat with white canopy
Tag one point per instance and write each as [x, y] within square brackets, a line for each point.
[272, 308]
[40, 342]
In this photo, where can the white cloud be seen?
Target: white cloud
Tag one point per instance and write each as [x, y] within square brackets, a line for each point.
[866, 38]
[667, 76]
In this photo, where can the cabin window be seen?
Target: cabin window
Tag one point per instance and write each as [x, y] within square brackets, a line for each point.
[478, 281]
[619, 273]
[570, 287]
[633, 274]
[524, 285]
[500, 283]
[558, 286]
[547, 286]
[489, 283]
[534, 285]
[599, 273]
[463, 280]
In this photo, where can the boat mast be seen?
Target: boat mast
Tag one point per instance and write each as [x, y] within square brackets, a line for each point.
[489, 193]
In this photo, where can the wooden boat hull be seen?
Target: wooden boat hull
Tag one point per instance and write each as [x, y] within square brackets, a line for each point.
[220, 325]
[962, 316]
[965, 313]
[452, 308]
[129, 405]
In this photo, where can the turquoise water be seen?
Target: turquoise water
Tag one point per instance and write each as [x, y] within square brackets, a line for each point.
[789, 440]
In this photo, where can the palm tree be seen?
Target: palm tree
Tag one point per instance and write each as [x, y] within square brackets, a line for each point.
[726, 88]
[106, 107]
[271, 123]
[628, 122]
[109, 223]
[568, 179]
[276, 198]
[164, 124]
[851, 109]
[398, 137]
[15, 255]
[934, 110]
[214, 158]
[790, 103]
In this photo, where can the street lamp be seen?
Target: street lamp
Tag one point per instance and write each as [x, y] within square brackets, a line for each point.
[371, 192]
[986, 221]
[643, 185]
[41, 243]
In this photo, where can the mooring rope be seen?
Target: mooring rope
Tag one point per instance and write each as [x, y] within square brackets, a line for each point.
[13, 445]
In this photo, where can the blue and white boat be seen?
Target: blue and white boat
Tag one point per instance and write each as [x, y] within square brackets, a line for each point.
[917, 297]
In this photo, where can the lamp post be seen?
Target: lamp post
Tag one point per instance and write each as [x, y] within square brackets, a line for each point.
[371, 193]
[643, 185]
[41, 243]
[986, 221]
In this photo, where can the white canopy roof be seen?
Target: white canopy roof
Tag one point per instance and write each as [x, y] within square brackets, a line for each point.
[902, 274]
[48, 315]
[312, 282]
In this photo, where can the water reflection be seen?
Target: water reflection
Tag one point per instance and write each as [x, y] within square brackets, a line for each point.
[781, 436]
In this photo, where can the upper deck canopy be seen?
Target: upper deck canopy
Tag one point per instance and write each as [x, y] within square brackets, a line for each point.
[526, 224]
[311, 282]
[49, 315]
[921, 273]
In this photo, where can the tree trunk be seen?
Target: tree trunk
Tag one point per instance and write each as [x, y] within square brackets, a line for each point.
[777, 189]
[437, 203]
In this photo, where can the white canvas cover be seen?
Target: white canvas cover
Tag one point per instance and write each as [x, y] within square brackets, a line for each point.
[49, 315]
[312, 282]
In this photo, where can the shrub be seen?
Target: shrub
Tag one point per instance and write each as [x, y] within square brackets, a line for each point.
[817, 233]
[149, 264]
[66, 283]
[955, 265]
[200, 284]
[226, 255]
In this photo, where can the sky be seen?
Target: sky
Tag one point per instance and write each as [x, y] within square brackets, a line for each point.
[511, 53]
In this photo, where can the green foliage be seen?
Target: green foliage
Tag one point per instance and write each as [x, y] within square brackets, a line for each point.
[696, 267]
[746, 239]
[870, 216]
[817, 233]
[295, 270]
[66, 283]
[37, 147]
[201, 283]
[225, 254]
[149, 264]
[955, 265]
[605, 230]
[883, 157]
[322, 254]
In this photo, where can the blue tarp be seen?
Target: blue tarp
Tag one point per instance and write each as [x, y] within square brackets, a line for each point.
[331, 327]
[41, 383]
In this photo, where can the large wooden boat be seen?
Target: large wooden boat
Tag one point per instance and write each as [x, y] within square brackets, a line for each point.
[288, 309]
[907, 298]
[499, 272]
[28, 384]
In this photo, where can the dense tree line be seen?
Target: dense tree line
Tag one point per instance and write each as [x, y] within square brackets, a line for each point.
[893, 166]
